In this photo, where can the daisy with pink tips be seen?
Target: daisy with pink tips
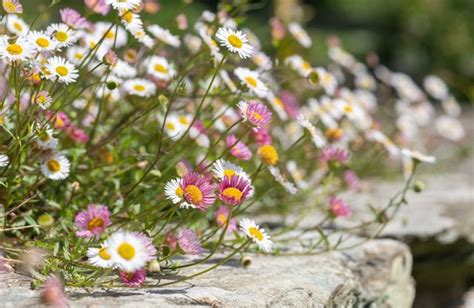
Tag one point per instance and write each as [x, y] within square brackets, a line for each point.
[189, 242]
[338, 207]
[255, 113]
[234, 190]
[332, 154]
[93, 221]
[73, 19]
[193, 191]
[237, 148]
[98, 6]
[12, 6]
[222, 215]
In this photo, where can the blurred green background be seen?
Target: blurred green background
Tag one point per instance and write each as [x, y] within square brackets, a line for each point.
[418, 37]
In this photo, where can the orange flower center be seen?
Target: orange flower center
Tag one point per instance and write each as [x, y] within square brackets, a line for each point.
[14, 49]
[53, 165]
[194, 194]
[95, 223]
[232, 192]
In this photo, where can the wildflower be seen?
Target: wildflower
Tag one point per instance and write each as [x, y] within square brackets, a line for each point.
[290, 104]
[196, 191]
[189, 242]
[12, 6]
[338, 207]
[224, 169]
[93, 221]
[44, 140]
[100, 257]
[257, 234]
[123, 70]
[251, 80]
[326, 80]
[43, 99]
[182, 22]
[316, 135]
[130, 250]
[436, 87]
[139, 87]
[234, 190]
[451, 106]
[98, 6]
[262, 136]
[174, 192]
[52, 293]
[77, 134]
[56, 167]
[234, 41]
[64, 71]
[110, 58]
[134, 279]
[255, 113]
[63, 35]
[334, 155]
[268, 155]
[41, 41]
[450, 128]
[20, 50]
[123, 4]
[297, 63]
[164, 35]
[300, 34]
[159, 68]
[3, 160]
[417, 156]
[222, 215]
[278, 29]
[352, 180]
[73, 19]
[238, 148]
[16, 25]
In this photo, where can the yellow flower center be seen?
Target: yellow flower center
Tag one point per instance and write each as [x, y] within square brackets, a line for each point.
[183, 120]
[161, 68]
[306, 65]
[59, 122]
[278, 101]
[42, 42]
[41, 99]
[194, 194]
[18, 26]
[334, 133]
[9, 7]
[61, 36]
[78, 56]
[348, 109]
[127, 17]
[221, 218]
[229, 173]
[14, 49]
[126, 251]
[179, 192]
[232, 192]
[268, 155]
[139, 88]
[53, 165]
[251, 81]
[62, 70]
[44, 137]
[255, 233]
[256, 115]
[110, 35]
[103, 254]
[95, 223]
[170, 126]
[235, 41]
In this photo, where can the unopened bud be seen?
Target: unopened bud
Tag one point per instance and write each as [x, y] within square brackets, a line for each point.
[154, 266]
[111, 85]
[418, 187]
[313, 77]
[163, 100]
[110, 58]
[45, 220]
[246, 261]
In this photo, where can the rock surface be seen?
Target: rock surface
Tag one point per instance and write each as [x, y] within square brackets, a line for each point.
[378, 272]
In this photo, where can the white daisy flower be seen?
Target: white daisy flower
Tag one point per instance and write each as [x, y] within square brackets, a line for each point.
[173, 191]
[130, 251]
[276, 173]
[451, 106]
[222, 168]
[300, 34]
[252, 80]
[100, 257]
[450, 128]
[277, 105]
[124, 70]
[3, 160]
[139, 87]
[76, 54]
[131, 21]
[56, 167]
[263, 61]
[159, 68]
[63, 70]
[16, 25]
[20, 50]
[121, 5]
[41, 41]
[297, 63]
[111, 34]
[316, 135]
[257, 234]
[174, 127]
[45, 140]
[164, 35]
[418, 156]
[62, 34]
[235, 41]
[436, 87]
[327, 80]
[203, 31]
[143, 38]
[381, 138]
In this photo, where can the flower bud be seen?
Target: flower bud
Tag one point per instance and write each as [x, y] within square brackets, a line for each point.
[45, 220]
[313, 77]
[110, 58]
[111, 85]
[418, 187]
[163, 100]
[154, 266]
[246, 261]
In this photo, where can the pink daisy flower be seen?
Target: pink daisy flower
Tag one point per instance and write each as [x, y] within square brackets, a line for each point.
[73, 19]
[12, 6]
[352, 180]
[171, 240]
[77, 134]
[234, 190]
[338, 207]
[52, 293]
[221, 218]
[189, 242]
[255, 113]
[98, 6]
[331, 154]
[262, 136]
[197, 190]
[93, 221]
[290, 103]
[133, 280]
[238, 149]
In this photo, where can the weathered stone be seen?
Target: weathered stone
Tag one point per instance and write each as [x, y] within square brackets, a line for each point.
[377, 272]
